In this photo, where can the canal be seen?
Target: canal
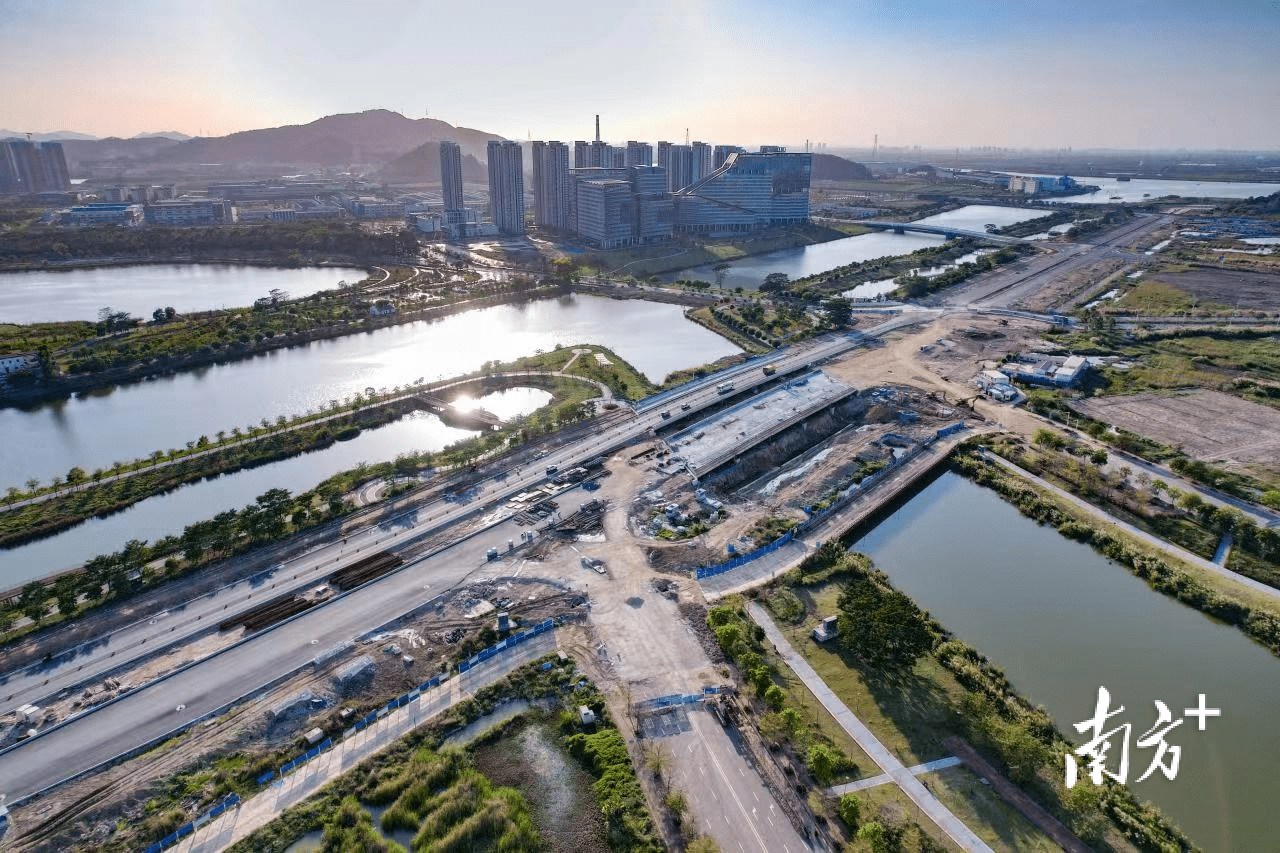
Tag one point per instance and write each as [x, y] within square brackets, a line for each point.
[95, 429]
[1061, 620]
[47, 296]
[162, 515]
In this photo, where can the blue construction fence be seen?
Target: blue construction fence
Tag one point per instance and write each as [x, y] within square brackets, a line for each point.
[227, 802]
[368, 720]
[509, 642]
[743, 559]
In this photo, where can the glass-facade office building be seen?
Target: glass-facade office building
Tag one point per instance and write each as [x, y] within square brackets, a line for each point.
[750, 191]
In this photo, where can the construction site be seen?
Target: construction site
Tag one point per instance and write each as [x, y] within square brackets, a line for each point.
[609, 549]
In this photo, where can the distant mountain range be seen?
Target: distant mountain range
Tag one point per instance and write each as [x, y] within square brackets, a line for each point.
[403, 149]
[57, 135]
[373, 137]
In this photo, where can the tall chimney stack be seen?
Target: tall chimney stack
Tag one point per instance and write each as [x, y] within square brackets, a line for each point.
[597, 127]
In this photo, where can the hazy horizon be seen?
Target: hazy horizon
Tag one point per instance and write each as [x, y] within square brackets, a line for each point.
[1141, 76]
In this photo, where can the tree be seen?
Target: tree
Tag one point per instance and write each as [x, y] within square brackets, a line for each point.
[849, 810]
[34, 601]
[66, 594]
[775, 281]
[882, 626]
[821, 763]
[839, 311]
[873, 833]
[720, 269]
[775, 696]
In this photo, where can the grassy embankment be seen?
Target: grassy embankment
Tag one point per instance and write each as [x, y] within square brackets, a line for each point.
[1254, 613]
[202, 459]
[839, 279]
[758, 326]
[129, 348]
[1149, 504]
[951, 690]
[282, 243]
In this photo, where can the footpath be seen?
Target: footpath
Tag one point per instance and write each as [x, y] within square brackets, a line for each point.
[870, 744]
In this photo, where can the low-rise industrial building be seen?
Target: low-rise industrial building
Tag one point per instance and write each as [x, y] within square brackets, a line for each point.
[1040, 369]
[191, 211]
[119, 213]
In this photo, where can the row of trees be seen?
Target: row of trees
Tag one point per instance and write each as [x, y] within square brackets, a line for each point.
[112, 576]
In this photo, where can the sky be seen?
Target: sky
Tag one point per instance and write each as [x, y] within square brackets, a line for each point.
[934, 73]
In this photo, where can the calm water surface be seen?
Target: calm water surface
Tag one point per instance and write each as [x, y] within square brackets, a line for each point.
[167, 514]
[130, 421]
[46, 296]
[749, 273]
[1061, 621]
[1145, 189]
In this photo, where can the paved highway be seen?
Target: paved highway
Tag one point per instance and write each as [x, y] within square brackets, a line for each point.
[170, 704]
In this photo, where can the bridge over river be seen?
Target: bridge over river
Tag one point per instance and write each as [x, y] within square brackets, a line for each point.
[947, 231]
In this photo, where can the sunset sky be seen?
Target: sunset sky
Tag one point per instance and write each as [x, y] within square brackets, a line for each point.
[1040, 74]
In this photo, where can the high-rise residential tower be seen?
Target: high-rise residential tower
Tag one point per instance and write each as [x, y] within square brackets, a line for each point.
[581, 154]
[451, 175]
[506, 185]
[32, 167]
[721, 153]
[702, 158]
[552, 186]
[639, 153]
[680, 166]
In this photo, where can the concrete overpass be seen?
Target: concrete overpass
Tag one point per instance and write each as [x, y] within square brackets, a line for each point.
[947, 231]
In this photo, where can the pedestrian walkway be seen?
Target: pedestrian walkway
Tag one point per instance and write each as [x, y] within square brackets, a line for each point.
[874, 781]
[870, 744]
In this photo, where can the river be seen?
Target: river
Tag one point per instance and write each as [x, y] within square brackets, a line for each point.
[749, 273]
[166, 514]
[1147, 189]
[94, 430]
[1061, 620]
[45, 296]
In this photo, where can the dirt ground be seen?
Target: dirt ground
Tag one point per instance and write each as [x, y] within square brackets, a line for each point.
[1207, 425]
[88, 808]
[1073, 287]
[1231, 287]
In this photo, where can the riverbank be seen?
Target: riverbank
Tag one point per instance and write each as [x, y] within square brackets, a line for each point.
[274, 243]
[45, 516]
[954, 690]
[645, 262]
[218, 337]
[1254, 615]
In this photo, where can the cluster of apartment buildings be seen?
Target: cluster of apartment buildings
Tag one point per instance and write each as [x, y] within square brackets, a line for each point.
[614, 196]
[28, 168]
